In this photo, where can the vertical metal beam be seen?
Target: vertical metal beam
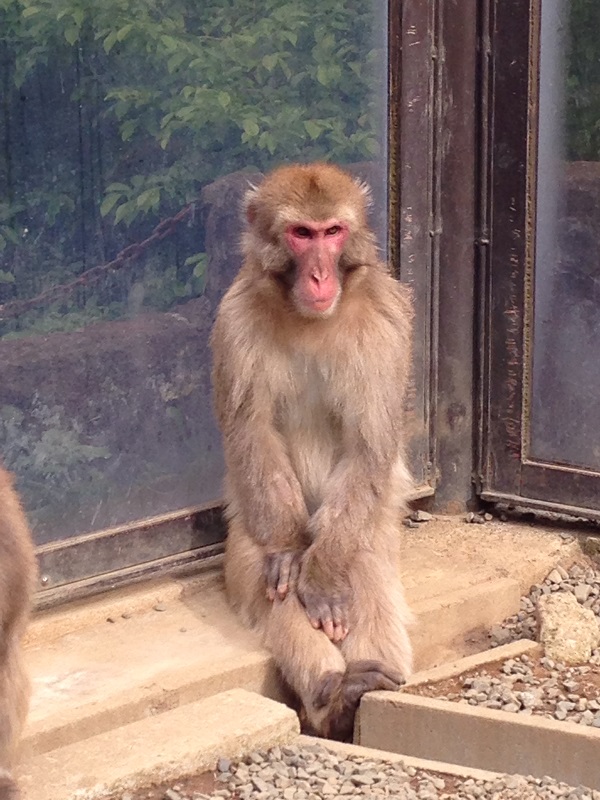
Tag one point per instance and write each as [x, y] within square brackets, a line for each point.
[457, 99]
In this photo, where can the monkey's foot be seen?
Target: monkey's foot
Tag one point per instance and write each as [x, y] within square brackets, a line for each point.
[340, 694]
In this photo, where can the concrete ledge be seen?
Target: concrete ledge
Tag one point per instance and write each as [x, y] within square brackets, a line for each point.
[161, 748]
[253, 672]
[477, 660]
[439, 730]
[451, 624]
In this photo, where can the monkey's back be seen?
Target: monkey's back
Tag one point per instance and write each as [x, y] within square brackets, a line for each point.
[17, 559]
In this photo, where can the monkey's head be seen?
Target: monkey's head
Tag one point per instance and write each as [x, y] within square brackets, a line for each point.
[307, 230]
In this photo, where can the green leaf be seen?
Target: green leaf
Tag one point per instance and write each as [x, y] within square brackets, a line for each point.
[313, 129]
[148, 199]
[270, 62]
[72, 34]
[109, 203]
[110, 41]
[30, 11]
[122, 212]
[6, 277]
[124, 31]
[117, 187]
[128, 129]
[251, 128]
[224, 99]
[322, 75]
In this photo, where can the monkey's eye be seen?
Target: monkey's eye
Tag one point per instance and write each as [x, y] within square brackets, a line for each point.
[302, 232]
[333, 231]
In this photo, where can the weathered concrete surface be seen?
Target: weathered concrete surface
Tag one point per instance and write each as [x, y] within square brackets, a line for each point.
[475, 737]
[91, 674]
[160, 748]
[475, 661]
[344, 749]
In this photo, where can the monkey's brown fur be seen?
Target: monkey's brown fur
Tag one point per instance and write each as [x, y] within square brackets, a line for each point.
[17, 578]
[311, 411]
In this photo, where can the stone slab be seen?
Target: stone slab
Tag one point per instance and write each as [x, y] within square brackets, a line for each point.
[165, 747]
[474, 737]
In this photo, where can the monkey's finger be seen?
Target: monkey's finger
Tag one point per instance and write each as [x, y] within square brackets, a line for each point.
[294, 574]
[271, 576]
[327, 622]
[285, 563]
[339, 622]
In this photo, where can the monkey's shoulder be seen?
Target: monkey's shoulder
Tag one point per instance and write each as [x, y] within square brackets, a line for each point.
[379, 306]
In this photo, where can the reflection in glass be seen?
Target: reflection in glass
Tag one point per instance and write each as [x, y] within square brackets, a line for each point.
[128, 135]
[565, 424]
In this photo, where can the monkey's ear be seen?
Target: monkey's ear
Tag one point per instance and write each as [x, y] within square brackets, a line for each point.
[249, 203]
[365, 190]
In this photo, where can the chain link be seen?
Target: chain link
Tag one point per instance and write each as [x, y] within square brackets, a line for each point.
[165, 227]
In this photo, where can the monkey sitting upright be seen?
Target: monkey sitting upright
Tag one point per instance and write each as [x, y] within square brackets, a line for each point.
[311, 355]
[17, 578]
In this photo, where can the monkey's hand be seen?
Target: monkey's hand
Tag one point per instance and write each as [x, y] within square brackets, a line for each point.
[326, 604]
[281, 572]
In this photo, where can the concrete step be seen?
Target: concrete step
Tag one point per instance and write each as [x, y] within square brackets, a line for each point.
[109, 662]
[183, 741]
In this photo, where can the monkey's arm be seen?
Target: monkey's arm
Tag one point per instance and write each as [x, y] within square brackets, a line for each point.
[262, 484]
[370, 481]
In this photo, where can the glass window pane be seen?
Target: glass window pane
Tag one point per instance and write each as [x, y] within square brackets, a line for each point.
[566, 352]
[128, 133]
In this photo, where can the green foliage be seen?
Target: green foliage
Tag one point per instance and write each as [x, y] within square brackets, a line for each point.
[583, 81]
[131, 106]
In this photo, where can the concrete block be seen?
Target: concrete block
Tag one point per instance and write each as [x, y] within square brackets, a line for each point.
[439, 730]
[446, 623]
[173, 744]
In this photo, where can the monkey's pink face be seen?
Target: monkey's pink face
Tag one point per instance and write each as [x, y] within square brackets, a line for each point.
[316, 248]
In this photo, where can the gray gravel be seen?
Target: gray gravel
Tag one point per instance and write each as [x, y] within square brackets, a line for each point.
[583, 583]
[555, 691]
[314, 773]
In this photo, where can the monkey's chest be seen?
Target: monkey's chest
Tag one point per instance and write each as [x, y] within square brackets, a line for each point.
[310, 422]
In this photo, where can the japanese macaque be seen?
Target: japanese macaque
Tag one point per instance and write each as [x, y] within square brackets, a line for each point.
[17, 577]
[311, 355]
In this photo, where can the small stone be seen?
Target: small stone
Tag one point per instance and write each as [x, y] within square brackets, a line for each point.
[111, 619]
[327, 790]
[160, 607]
[554, 577]
[409, 523]
[171, 794]
[260, 785]
[568, 632]
[500, 634]
[224, 765]
[582, 592]
[126, 615]
[488, 517]
[421, 516]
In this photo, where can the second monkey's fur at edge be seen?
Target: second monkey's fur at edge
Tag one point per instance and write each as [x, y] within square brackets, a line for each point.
[311, 358]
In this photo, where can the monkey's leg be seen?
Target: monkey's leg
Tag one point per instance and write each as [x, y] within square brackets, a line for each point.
[377, 649]
[305, 656]
[14, 700]
[379, 617]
